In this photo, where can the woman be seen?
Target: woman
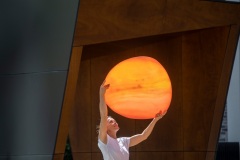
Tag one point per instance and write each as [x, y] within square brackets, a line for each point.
[114, 148]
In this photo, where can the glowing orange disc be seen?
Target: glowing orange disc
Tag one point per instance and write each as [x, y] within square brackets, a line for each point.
[139, 88]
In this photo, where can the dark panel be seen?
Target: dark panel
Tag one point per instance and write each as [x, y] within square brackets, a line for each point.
[82, 156]
[173, 155]
[159, 155]
[97, 156]
[118, 20]
[168, 133]
[29, 112]
[210, 155]
[31, 157]
[132, 155]
[80, 127]
[203, 55]
[36, 35]
[149, 155]
[195, 155]
[227, 150]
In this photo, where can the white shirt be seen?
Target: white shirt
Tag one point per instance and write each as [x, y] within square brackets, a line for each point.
[115, 149]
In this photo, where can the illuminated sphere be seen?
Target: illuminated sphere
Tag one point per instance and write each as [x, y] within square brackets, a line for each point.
[139, 88]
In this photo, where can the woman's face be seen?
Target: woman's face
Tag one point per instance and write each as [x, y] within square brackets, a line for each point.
[112, 124]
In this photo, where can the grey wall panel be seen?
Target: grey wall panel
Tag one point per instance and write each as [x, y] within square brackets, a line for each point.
[30, 106]
[36, 35]
[32, 157]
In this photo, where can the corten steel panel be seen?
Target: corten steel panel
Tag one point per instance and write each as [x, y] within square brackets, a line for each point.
[202, 62]
[172, 155]
[30, 157]
[80, 124]
[58, 157]
[211, 155]
[159, 155]
[36, 36]
[97, 156]
[118, 20]
[168, 133]
[29, 112]
[196, 155]
[82, 156]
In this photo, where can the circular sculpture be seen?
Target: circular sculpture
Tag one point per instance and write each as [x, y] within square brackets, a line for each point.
[139, 88]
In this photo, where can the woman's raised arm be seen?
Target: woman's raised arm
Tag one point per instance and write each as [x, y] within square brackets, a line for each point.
[138, 138]
[103, 113]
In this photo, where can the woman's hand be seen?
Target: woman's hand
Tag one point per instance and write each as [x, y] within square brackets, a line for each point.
[160, 115]
[103, 88]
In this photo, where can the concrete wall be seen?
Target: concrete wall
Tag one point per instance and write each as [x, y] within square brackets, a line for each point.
[35, 48]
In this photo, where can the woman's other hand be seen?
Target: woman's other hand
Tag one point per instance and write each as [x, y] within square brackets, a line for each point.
[103, 88]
